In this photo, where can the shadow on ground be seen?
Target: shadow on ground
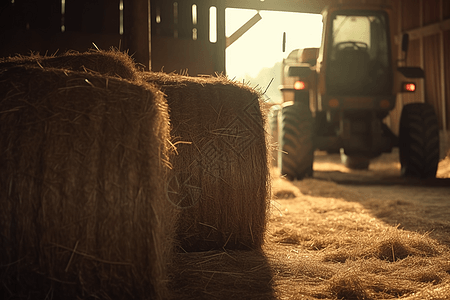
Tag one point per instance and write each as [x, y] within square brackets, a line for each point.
[421, 205]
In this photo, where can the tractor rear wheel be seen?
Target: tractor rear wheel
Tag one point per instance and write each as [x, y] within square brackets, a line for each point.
[419, 141]
[296, 157]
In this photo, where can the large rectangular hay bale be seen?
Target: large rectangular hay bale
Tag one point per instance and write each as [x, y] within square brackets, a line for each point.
[83, 164]
[220, 176]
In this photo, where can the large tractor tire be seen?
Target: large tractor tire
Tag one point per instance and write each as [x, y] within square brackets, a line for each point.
[296, 157]
[273, 131]
[419, 141]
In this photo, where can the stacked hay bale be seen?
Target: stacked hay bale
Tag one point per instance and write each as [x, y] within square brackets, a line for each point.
[83, 162]
[220, 176]
[111, 63]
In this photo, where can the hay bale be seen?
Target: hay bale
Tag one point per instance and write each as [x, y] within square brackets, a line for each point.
[220, 175]
[83, 162]
[112, 63]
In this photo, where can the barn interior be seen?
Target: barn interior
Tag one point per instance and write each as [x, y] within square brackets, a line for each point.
[319, 238]
[160, 35]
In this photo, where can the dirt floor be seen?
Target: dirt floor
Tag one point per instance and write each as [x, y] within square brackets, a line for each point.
[342, 234]
[371, 234]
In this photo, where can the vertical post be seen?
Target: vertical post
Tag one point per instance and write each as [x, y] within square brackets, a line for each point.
[167, 18]
[110, 23]
[202, 21]
[442, 69]
[184, 19]
[46, 15]
[149, 16]
[137, 30]
[162, 18]
[421, 51]
[400, 54]
[73, 15]
[221, 38]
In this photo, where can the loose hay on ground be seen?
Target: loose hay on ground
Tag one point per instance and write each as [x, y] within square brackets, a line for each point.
[220, 178]
[323, 247]
[391, 245]
[222, 275]
[83, 162]
[111, 63]
[364, 274]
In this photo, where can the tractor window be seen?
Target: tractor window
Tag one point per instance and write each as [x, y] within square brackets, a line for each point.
[351, 28]
[369, 32]
[359, 53]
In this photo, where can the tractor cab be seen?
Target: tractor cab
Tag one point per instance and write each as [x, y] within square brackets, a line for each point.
[357, 50]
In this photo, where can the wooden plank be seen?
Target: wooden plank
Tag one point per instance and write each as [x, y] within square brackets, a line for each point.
[303, 6]
[137, 30]
[428, 30]
[243, 29]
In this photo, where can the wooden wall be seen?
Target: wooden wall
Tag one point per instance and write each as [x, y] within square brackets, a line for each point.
[180, 43]
[428, 25]
[55, 26]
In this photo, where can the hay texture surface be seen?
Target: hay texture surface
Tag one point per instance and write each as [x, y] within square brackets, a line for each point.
[220, 177]
[234, 274]
[331, 241]
[83, 161]
[112, 63]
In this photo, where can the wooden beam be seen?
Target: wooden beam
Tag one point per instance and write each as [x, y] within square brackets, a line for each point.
[302, 6]
[431, 29]
[243, 29]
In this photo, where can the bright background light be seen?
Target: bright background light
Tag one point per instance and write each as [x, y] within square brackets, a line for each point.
[256, 56]
[213, 24]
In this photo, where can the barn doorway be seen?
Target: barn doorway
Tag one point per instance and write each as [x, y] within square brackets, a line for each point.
[256, 57]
